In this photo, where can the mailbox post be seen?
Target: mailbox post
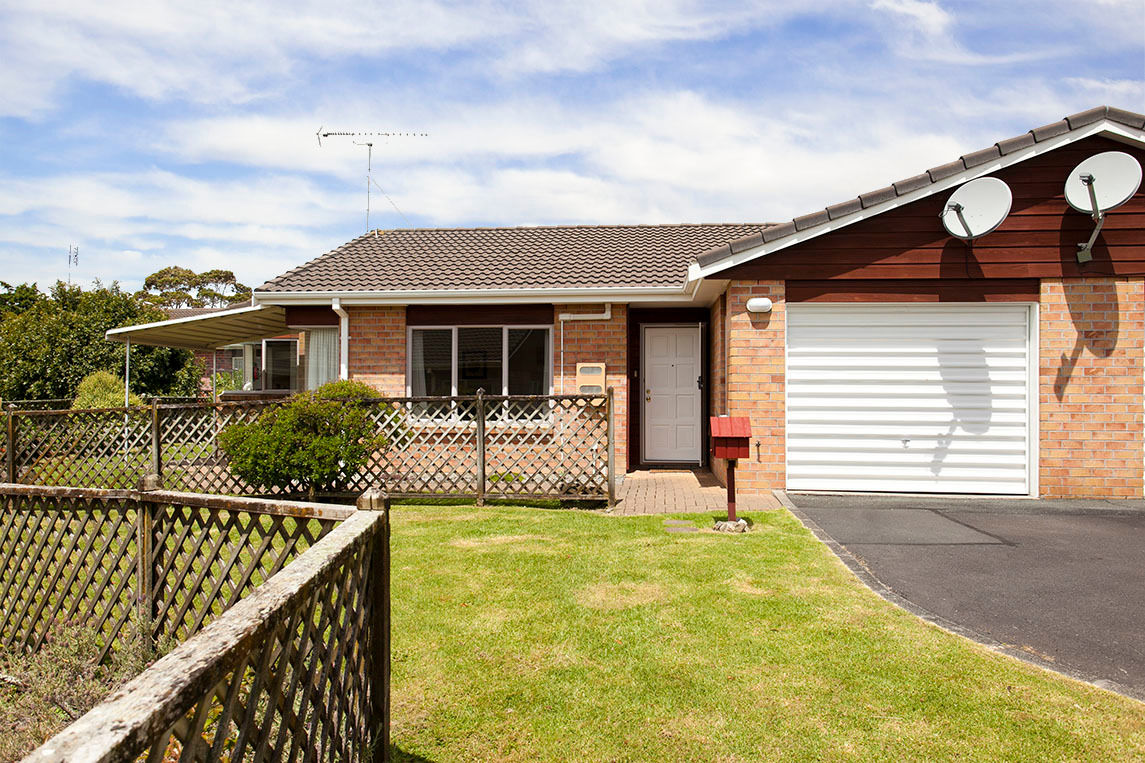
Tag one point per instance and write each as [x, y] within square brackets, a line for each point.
[731, 439]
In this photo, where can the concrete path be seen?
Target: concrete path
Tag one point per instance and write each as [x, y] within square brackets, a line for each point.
[1060, 581]
[680, 491]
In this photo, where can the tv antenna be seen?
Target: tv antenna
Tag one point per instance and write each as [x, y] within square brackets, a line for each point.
[976, 208]
[369, 144]
[73, 259]
[1100, 183]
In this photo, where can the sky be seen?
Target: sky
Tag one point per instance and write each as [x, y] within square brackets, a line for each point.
[150, 134]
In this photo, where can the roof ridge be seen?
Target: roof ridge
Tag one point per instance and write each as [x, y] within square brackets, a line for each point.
[933, 175]
[570, 226]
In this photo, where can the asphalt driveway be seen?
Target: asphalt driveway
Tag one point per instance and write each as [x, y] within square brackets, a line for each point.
[1063, 581]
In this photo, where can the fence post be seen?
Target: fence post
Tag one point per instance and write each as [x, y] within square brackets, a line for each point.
[10, 451]
[144, 575]
[156, 441]
[611, 435]
[480, 415]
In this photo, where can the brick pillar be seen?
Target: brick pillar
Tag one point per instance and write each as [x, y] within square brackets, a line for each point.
[378, 348]
[1090, 387]
[755, 382]
[596, 342]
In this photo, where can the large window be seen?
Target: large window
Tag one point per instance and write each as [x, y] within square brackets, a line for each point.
[459, 360]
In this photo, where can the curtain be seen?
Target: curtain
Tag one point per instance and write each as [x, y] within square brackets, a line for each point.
[321, 357]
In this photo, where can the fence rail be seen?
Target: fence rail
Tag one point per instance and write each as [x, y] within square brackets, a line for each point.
[480, 446]
[280, 609]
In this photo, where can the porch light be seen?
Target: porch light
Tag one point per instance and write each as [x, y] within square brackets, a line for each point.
[759, 305]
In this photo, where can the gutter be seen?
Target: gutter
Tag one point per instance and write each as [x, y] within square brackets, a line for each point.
[681, 293]
[343, 338]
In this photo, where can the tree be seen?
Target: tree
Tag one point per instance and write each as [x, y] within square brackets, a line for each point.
[316, 441]
[17, 299]
[175, 287]
[218, 288]
[48, 348]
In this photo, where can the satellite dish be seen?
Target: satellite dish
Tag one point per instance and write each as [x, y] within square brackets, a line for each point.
[1100, 183]
[976, 208]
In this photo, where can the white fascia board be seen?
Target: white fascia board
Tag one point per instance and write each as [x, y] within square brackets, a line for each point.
[1103, 128]
[683, 293]
[113, 334]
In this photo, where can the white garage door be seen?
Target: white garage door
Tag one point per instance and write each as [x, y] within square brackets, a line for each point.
[911, 398]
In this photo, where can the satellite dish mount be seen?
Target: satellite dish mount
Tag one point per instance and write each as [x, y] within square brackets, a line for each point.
[1100, 183]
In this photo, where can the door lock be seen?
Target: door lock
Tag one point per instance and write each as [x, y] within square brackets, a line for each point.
[648, 396]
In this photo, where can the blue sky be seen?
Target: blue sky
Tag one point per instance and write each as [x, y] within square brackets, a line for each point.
[154, 135]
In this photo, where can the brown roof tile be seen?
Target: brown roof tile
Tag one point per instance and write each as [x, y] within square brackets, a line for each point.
[935, 174]
[543, 257]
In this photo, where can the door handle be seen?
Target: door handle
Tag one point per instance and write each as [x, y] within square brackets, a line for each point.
[648, 396]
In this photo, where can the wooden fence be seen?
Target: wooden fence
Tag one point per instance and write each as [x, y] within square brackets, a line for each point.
[280, 610]
[481, 446]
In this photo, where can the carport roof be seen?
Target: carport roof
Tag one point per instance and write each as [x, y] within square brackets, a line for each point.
[209, 331]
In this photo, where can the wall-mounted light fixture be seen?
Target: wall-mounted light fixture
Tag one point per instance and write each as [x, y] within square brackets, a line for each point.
[759, 305]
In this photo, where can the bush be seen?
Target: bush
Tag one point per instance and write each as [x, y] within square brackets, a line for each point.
[317, 441]
[45, 691]
[101, 389]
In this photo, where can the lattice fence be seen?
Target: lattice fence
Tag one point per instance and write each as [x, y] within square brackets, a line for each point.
[282, 611]
[557, 446]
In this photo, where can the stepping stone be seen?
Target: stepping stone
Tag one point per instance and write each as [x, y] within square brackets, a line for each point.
[678, 529]
[677, 522]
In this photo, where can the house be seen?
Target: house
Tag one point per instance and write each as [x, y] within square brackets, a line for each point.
[892, 357]
[264, 367]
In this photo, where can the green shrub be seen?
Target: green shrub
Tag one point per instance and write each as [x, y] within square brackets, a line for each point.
[101, 389]
[317, 441]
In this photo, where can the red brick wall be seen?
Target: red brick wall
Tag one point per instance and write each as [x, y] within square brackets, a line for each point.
[596, 342]
[1090, 331]
[378, 348]
[755, 382]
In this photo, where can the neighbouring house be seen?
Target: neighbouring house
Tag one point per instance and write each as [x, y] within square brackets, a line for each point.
[894, 357]
[264, 366]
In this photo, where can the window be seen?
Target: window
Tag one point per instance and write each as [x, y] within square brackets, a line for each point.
[321, 357]
[502, 360]
[280, 360]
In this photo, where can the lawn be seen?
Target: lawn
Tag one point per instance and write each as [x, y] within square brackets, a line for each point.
[526, 634]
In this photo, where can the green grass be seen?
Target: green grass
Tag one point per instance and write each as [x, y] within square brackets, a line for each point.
[525, 634]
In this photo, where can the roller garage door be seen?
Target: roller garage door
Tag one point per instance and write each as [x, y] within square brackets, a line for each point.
[909, 398]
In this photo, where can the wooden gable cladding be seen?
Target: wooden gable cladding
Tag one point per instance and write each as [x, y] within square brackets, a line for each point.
[916, 290]
[1038, 240]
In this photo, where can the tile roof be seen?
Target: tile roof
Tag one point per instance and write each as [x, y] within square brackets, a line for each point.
[933, 175]
[191, 312]
[543, 257]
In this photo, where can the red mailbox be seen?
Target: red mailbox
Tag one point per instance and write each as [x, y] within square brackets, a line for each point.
[731, 439]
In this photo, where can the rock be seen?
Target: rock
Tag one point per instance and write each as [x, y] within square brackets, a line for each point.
[738, 526]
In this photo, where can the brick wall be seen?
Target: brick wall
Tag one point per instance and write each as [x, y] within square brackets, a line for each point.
[755, 384]
[1090, 331]
[596, 342]
[378, 348]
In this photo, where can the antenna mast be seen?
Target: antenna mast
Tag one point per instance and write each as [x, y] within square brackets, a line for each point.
[73, 259]
[369, 144]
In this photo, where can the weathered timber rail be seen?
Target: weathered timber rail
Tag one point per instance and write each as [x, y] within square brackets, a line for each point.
[280, 610]
[480, 446]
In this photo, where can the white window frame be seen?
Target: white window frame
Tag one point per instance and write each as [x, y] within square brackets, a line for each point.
[504, 391]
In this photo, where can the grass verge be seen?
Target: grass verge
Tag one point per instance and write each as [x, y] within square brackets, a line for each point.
[522, 634]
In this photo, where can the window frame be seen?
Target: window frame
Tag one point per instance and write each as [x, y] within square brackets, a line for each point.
[454, 365]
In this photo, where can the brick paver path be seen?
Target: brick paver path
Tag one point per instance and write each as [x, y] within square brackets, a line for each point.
[681, 491]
